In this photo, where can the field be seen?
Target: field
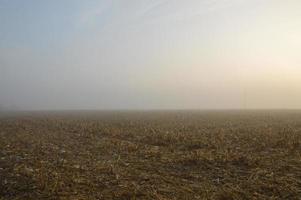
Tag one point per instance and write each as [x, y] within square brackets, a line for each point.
[219, 155]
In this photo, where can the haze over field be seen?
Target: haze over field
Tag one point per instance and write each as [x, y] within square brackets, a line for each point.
[150, 54]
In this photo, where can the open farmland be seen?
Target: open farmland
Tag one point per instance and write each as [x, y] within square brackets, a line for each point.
[151, 155]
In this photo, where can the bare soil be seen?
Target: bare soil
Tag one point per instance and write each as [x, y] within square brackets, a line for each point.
[219, 155]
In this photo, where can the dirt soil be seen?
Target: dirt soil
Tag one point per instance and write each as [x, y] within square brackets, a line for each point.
[219, 155]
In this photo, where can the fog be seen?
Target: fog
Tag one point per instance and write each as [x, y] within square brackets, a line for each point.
[150, 54]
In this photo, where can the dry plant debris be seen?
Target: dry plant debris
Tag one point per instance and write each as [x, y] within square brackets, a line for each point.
[221, 155]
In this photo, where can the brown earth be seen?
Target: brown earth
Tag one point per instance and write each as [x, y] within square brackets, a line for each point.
[151, 155]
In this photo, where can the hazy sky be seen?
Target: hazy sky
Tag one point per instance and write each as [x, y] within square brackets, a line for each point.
[146, 54]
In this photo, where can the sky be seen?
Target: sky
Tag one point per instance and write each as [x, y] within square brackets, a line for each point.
[150, 54]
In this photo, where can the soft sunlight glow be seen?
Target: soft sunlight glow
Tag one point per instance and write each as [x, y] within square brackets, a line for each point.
[151, 54]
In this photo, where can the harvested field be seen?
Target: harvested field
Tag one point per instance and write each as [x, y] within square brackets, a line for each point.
[219, 155]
